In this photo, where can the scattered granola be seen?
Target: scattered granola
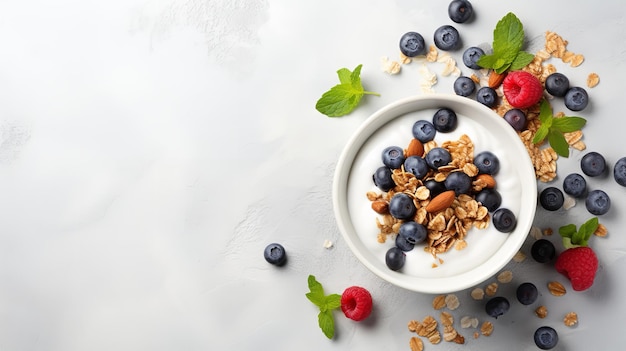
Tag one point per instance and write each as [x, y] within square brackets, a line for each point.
[486, 328]
[452, 302]
[478, 293]
[556, 288]
[592, 80]
[519, 257]
[601, 231]
[491, 289]
[416, 344]
[570, 319]
[505, 277]
[541, 311]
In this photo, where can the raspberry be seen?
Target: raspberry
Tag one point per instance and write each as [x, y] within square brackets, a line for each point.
[522, 89]
[356, 303]
[579, 265]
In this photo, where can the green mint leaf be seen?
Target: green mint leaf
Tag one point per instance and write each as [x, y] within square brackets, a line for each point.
[558, 143]
[508, 36]
[315, 286]
[545, 112]
[502, 68]
[521, 60]
[332, 301]
[327, 323]
[344, 97]
[318, 300]
[487, 61]
[568, 124]
[567, 231]
[541, 134]
[587, 229]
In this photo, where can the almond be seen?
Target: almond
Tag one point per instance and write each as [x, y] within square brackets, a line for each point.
[441, 202]
[416, 148]
[381, 207]
[495, 79]
[490, 182]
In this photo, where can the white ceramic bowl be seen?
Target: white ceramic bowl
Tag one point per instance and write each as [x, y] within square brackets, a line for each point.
[488, 250]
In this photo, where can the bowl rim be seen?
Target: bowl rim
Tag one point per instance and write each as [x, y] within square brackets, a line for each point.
[443, 284]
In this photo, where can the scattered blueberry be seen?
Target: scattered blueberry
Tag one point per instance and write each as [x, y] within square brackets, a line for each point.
[516, 118]
[546, 338]
[445, 120]
[576, 99]
[527, 293]
[487, 96]
[619, 171]
[413, 232]
[382, 178]
[393, 157]
[447, 38]
[598, 202]
[403, 244]
[543, 251]
[460, 11]
[460, 182]
[394, 258]
[593, 164]
[401, 206]
[275, 254]
[497, 306]
[412, 44]
[471, 55]
[489, 198]
[551, 198]
[438, 157]
[424, 131]
[417, 166]
[575, 184]
[487, 163]
[464, 86]
[557, 84]
[504, 220]
[435, 187]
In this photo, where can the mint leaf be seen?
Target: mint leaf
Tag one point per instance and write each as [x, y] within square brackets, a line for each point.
[521, 60]
[568, 124]
[567, 231]
[558, 143]
[580, 237]
[588, 228]
[332, 301]
[315, 287]
[344, 97]
[541, 134]
[327, 323]
[545, 112]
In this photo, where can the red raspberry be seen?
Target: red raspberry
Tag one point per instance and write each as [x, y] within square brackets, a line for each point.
[579, 265]
[522, 89]
[356, 303]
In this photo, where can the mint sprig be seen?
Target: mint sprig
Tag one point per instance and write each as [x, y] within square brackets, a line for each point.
[326, 304]
[508, 39]
[345, 96]
[573, 237]
[553, 128]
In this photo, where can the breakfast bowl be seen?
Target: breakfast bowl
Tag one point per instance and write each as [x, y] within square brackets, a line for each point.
[474, 254]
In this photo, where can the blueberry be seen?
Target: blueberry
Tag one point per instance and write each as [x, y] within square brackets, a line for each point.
[382, 178]
[460, 11]
[487, 163]
[593, 164]
[497, 306]
[435, 187]
[445, 120]
[489, 198]
[424, 131]
[393, 157]
[574, 184]
[447, 38]
[516, 118]
[471, 55]
[557, 84]
[576, 99]
[417, 166]
[460, 182]
[551, 198]
[413, 232]
[543, 251]
[504, 220]
[438, 157]
[412, 44]
[487, 96]
[403, 244]
[394, 258]
[464, 86]
[527, 293]
[598, 202]
[619, 171]
[546, 338]
[275, 254]
[401, 206]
